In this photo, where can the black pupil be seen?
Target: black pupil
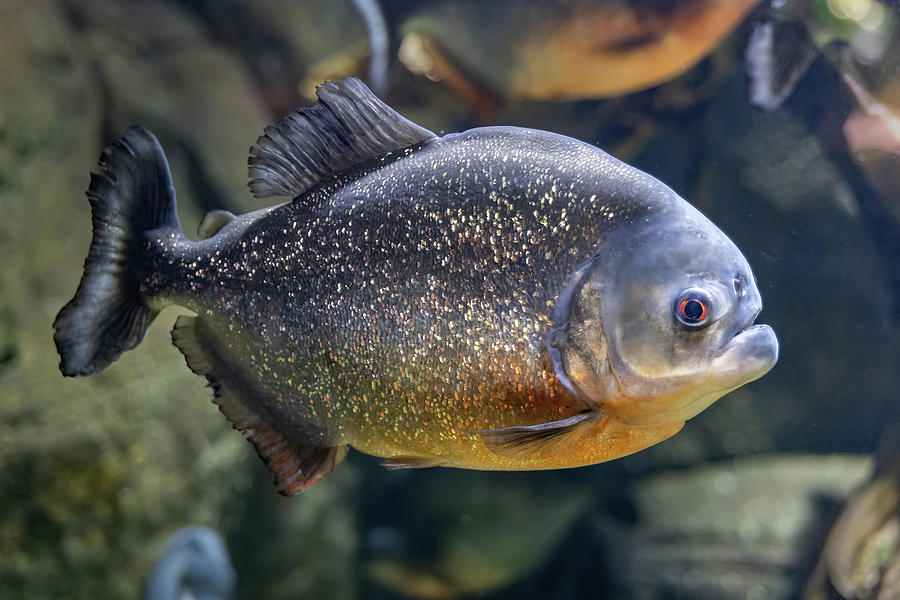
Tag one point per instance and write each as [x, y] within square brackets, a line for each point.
[693, 310]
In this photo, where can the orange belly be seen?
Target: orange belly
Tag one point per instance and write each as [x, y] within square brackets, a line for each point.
[604, 440]
[587, 57]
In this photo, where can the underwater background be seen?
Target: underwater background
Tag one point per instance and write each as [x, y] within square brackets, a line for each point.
[97, 474]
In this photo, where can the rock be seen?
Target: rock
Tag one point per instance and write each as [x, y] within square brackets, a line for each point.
[861, 558]
[96, 473]
[282, 42]
[737, 529]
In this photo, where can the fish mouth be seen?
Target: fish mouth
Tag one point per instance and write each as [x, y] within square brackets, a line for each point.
[752, 320]
[748, 355]
[750, 324]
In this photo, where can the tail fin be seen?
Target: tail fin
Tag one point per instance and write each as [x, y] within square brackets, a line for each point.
[131, 194]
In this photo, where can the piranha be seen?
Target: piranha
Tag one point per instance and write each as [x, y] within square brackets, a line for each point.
[501, 298]
[488, 53]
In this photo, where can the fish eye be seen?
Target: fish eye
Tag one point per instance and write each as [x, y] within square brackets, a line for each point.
[693, 308]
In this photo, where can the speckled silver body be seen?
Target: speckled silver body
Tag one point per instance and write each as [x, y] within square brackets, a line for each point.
[405, 306]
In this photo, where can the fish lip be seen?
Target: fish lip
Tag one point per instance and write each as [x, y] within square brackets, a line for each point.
[750, 324]
[756, 344]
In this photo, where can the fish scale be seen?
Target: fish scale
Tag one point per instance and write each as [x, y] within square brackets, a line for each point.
[432, 301]
[418, 300]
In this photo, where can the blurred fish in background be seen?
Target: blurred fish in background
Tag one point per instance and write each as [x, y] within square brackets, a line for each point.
[554, 51]
[858, 39]
[784, 43]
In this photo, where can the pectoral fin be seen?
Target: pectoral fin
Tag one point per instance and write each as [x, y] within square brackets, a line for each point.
[514, 442]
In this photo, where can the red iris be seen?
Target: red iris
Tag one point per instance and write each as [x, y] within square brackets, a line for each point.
[692, 310]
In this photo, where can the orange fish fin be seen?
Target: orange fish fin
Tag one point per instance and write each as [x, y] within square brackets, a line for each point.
[296, 465]
[518, 441]
[411, 462]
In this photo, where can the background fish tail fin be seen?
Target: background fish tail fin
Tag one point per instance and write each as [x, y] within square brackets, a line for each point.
[373, 15]
[130, 195]
[778, 55]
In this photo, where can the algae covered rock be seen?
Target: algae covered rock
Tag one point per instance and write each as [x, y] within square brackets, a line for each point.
[95, 474]
[300, 547]
[49, 114]
[159, 68]
[737, 529]
[861, 556]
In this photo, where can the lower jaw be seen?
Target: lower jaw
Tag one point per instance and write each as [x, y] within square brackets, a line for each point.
[674, 407]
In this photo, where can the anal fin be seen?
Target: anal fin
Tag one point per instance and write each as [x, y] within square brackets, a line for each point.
[296, 465]
[514, 442]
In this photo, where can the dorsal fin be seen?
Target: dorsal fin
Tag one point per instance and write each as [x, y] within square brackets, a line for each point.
[346, 127]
